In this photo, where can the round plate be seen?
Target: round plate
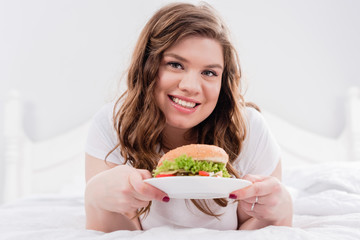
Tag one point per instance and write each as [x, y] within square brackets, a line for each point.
[197, 187]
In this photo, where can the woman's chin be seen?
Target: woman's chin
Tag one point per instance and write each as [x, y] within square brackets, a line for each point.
[180, 125]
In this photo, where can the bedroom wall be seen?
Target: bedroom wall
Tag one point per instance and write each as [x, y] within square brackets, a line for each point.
[66, 57]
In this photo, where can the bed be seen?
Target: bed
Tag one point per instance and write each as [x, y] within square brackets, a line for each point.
[322, 175]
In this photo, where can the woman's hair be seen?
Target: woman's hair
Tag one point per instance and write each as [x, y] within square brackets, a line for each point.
[138, 120]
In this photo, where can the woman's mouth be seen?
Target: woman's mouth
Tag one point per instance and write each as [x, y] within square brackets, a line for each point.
[183, 103]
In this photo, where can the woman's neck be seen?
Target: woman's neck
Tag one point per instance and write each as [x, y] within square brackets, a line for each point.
[175, 137]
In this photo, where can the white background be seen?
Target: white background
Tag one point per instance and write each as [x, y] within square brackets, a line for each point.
[67, 57]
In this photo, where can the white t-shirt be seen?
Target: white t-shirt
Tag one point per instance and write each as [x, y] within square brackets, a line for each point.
[260, 155]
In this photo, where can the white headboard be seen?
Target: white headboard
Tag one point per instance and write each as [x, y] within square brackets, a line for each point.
[300, 146]
[39, 167]
[47, 166]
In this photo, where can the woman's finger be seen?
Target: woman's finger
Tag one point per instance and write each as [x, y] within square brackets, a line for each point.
[254, 210]
[257, 199]
[144, 191]
[130, 206]
[258, 189]
[254, 178]
[144, 173]
[136, 203]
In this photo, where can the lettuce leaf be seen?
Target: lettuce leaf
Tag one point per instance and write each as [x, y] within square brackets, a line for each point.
[188, 164]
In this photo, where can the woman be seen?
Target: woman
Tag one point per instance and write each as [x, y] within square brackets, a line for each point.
[183, 87]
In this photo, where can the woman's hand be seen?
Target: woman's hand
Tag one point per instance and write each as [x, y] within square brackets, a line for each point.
[121, 190]
[266, 200]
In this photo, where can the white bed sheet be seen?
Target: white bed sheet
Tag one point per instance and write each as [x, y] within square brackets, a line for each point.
[326, 206]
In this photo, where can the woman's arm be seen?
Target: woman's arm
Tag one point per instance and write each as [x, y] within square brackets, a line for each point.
[97, 218]
[114, 193]
[274, 205]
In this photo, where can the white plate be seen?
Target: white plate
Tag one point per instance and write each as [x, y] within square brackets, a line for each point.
[197, 187]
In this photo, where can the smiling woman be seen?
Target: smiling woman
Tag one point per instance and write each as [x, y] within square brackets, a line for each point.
[183, 88]
[189, 82]
[38, 150]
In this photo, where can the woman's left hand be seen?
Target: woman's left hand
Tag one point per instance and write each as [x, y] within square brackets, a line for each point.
[266, 200]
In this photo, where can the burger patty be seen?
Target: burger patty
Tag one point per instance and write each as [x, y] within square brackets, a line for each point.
[188, 173]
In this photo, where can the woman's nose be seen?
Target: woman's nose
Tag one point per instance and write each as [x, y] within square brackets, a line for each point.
[190, 82]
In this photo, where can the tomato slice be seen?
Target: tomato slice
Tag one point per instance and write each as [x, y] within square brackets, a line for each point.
[204, 173]
[165, 175]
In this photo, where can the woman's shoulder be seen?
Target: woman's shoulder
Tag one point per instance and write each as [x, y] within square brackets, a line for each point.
[260, 152]
[103, 119]
[105, 110]
[257, 130]
[102, 136]
[253, 117]
[106, 113]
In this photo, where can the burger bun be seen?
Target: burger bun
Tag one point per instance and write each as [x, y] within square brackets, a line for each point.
[198, 152]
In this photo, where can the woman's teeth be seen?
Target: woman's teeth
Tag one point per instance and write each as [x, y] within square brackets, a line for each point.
[183, 103]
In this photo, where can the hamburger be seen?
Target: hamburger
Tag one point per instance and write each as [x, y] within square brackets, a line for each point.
[193, 160]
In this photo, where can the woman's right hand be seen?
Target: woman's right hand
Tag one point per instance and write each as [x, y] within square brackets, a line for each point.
[121, 189]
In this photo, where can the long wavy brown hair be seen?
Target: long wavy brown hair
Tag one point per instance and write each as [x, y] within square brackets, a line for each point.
[138, 120]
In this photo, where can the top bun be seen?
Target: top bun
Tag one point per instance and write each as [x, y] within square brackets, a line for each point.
[198, 152]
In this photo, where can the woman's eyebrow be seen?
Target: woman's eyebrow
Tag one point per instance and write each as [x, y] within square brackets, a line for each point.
[214, 66]
[185, 60]
[176, 56]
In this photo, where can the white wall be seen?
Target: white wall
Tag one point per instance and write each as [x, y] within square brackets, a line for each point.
[65, 57]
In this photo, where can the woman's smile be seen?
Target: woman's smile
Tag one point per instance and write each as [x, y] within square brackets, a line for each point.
[183, 104]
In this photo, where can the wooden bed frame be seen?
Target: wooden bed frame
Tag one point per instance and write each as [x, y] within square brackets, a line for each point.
[29, 165]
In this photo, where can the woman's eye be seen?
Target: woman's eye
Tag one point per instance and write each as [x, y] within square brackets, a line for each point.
[175, 65]
[210, 73]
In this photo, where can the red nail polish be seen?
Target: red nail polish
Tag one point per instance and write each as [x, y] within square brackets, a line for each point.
[166, 199]
[232, 196]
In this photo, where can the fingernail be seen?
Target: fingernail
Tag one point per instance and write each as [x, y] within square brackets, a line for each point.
[166, 199]
[232, 196]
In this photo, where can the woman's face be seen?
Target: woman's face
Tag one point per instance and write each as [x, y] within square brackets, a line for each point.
[189, 81]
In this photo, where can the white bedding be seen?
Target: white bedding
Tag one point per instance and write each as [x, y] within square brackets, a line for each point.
[326, 205]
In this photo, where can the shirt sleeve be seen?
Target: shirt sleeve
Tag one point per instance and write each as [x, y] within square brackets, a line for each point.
[102, 137]
[260, 152]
